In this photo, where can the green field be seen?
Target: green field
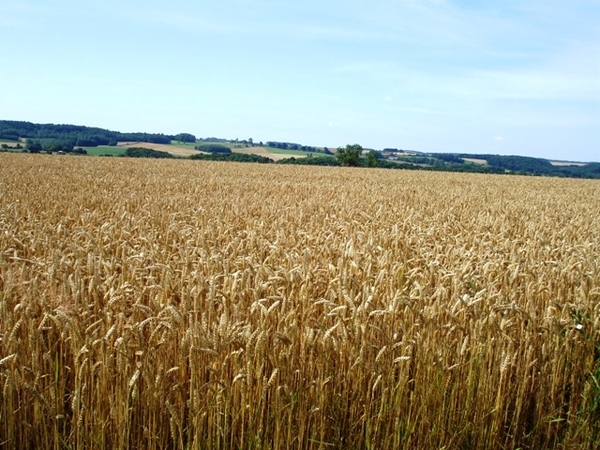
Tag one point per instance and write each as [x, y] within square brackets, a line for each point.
[105, 150]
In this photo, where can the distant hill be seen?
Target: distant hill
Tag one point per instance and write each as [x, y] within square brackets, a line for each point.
[74, 135]
[484, 163]
[72, 139]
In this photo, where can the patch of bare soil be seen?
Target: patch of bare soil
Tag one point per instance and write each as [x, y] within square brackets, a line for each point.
[483, 162]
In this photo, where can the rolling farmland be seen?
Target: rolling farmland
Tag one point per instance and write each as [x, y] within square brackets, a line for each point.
[191, 304]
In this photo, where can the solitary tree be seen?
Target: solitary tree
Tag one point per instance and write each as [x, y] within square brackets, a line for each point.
[372, 159]
[33, 146]
[185, 137]
[349, 156]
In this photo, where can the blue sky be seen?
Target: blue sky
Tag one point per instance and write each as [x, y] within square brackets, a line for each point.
[511, 77]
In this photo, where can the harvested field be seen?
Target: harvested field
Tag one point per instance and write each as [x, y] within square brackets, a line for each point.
[262, 151]
[476, 161]
[173, 149]
[188, 304]
[181, 151]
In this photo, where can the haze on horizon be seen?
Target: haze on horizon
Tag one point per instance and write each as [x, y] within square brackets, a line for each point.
[516, 77]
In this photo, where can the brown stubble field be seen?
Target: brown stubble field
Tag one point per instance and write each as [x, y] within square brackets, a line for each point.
[169, 148]
[188, 304]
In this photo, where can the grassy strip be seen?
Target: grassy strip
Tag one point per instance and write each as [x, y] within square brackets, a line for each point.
[105, 150]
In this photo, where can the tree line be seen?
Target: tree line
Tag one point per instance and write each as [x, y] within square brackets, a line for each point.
[299, 147]
[53, 138]
[71, 136]
[355, 156]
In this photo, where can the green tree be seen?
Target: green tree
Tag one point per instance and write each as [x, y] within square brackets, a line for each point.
[141, 152]
[185, 137]
[213, 148]
[349, 156]
[372, 159]
[33, 146]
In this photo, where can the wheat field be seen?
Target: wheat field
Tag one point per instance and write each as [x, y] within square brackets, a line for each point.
[178, 304]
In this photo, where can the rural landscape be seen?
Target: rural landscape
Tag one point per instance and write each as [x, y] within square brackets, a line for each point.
[82, 140]
[190, 301]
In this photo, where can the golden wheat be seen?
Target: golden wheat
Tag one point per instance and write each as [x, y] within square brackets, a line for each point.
[178, 304]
